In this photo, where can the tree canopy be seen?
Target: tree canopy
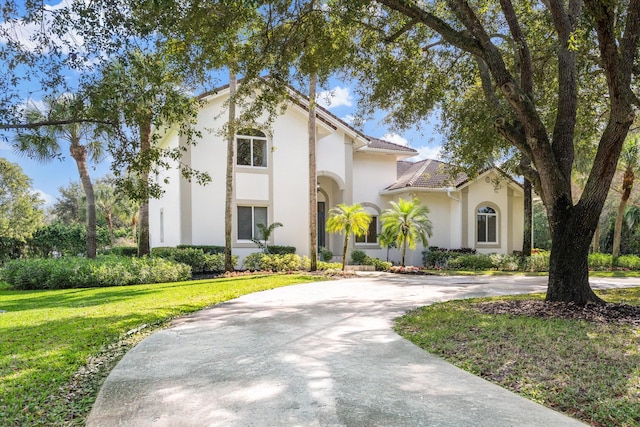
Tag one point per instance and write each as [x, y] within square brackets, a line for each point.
[20, 207]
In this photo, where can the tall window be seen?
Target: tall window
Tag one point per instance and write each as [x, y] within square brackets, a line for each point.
[251, 148]
[248, 219]
[372, 235]
[487, 225]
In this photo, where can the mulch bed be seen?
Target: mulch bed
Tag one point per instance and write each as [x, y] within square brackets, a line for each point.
[597, 313]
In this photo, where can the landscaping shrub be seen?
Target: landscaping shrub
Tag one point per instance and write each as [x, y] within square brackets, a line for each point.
[281, 250]
[322, 265]
[598, 261]
[504, 262]
[632, 262]
[471, 262]
[538, 261]
[193, 256]
[358, 257]
[435, 257]
[105, 270]
[273, 262]
[378, 263]
[129, 251]
[325, 254]
[207, 249]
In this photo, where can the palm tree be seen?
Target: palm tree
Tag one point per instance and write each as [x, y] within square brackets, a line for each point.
[628, 163]
[348, 220]
[265, 234]
[43, 144]
[408, 221]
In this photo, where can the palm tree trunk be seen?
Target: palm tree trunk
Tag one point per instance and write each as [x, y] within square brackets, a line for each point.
[404, 250]
[627, 185]
[109, 218]
[313, 179]
[144, 247]
[228, 214]
[79, 154]
[344, 249]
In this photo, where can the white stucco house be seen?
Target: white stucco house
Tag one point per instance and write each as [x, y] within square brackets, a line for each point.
[271, 184]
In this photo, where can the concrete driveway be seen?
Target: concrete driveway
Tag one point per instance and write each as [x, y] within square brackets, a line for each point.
[318, 354]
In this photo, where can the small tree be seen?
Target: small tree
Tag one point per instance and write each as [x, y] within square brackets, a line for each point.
[348, 220]
[20, 207]
[265, 235]
[406, 222]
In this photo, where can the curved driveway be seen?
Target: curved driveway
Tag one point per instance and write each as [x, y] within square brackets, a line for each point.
[318, 354]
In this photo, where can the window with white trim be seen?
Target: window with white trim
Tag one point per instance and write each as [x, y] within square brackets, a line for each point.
[251, 148]
[248, 219]
[487, 225]
[372, 235]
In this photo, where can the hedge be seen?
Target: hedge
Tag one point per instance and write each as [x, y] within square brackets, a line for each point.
[195, 257]
[105, 270]
[207, 249]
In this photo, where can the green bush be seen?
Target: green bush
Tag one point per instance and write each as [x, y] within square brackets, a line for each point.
[129, 251]
[325, 254]
[322, 265]
[196, 258]
[105, 270]
[207, 249]
[471, 262]
[598, 261]
[358, 257]
[632, 262]
[378, 263]
[274, 262]
[504, 262]
[281, 250]
[537, 262]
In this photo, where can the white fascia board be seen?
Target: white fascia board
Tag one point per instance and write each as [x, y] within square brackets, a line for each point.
[399, 154]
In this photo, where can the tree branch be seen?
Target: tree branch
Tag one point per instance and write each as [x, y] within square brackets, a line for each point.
[37, 125]
[406, 27]
[526, 64]
[457, 38]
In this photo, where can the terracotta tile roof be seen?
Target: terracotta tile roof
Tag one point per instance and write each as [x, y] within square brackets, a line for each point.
[426, 174]
[381, 144]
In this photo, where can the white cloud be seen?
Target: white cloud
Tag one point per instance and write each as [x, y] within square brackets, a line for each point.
[395, 138]
[48, 198]
[426, 152]
[29, 34]
[336, 97]
[349, 118]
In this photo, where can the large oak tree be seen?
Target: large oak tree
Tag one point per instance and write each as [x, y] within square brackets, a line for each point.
[589, 45]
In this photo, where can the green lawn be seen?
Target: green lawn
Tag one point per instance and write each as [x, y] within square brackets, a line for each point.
[590, 371]
[46, 337]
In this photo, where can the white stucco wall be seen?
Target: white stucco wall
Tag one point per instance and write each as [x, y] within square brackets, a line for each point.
[510, 215]
[167, 206]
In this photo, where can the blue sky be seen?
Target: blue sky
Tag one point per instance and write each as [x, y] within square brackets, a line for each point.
[50, 176]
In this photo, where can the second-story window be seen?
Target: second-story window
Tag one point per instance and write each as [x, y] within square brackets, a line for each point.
[251, 148]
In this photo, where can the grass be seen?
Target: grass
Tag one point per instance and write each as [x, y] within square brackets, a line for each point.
[47, 339]
[587, 370]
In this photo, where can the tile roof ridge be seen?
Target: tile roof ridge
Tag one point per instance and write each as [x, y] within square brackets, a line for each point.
[418, 173]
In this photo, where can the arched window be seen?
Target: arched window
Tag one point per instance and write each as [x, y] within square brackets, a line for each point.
[487, 225]
[251, 148]
[371, 238]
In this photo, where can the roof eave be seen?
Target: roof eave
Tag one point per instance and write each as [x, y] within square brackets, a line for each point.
[410, 189]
